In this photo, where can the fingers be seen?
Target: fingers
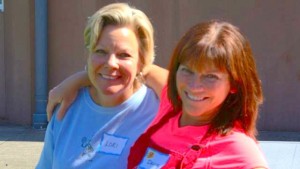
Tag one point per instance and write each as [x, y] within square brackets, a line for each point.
[49, 109]
[65, 104]
[60, 96]
[62, 110]
[53, 100]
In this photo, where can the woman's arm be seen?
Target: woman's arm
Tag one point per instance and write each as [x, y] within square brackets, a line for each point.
[156, 78]
[65, 93]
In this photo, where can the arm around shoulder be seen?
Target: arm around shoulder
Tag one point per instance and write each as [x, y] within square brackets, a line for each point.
[66, 92]
[156, 78]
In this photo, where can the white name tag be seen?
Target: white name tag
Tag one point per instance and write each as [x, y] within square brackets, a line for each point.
[153, 159]
[112, 144]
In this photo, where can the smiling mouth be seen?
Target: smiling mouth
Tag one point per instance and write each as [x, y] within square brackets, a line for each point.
[194, 98]
[109, 77]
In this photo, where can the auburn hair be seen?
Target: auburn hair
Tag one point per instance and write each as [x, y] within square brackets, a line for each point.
[220, 43]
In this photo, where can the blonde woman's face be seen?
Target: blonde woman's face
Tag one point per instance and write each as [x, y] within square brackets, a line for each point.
[202, 93]
[113, 66]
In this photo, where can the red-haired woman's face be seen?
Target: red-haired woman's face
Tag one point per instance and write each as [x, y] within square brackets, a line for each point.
[202, 93]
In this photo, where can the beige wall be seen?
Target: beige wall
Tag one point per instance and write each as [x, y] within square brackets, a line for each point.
[272, 26]
[18, 61]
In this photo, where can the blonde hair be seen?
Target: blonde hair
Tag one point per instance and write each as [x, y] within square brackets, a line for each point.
[121, 14]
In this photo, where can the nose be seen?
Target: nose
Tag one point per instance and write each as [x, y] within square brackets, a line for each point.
[195, 82]
[112, 61]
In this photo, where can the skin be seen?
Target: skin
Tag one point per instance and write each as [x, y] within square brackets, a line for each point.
[113, 66]
[66, 92]
[112, 73]
[202, 93]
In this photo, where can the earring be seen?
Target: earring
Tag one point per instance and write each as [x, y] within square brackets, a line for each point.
[140, 77]
[233, 91]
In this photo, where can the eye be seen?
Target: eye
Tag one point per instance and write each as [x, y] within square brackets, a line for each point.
[124, 55]
[100, 52]
[211, 77]
[185, 69]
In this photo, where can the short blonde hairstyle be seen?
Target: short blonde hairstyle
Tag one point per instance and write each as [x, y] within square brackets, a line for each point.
[121, 14]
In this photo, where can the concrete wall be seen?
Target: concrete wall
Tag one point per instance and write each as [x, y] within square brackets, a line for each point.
[272, 26]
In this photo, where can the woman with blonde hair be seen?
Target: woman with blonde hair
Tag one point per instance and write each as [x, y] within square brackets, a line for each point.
[108, 116]
[209, 105]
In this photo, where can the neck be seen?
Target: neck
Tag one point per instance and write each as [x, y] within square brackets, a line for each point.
[188, 120]
[110, 100]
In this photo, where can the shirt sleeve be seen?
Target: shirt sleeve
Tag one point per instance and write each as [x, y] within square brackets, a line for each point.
[249, 152]
[237, 150]
[46, 157]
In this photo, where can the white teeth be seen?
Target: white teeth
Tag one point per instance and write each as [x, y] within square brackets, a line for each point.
[109, 77]
[195, 98]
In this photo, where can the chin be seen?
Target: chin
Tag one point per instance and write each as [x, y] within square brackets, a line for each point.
[194, 111]
[110, 92]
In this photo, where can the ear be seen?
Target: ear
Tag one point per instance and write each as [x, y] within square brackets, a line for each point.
[140, 67]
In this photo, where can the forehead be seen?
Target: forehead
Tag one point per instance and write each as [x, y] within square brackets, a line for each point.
[120, 36]
[199, 55]
[117, 32]
[202, 64]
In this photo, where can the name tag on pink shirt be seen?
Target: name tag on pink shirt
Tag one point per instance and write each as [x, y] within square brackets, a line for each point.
[153, 159]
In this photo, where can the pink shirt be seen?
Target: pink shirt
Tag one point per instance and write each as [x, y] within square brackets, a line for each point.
[169, 145]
